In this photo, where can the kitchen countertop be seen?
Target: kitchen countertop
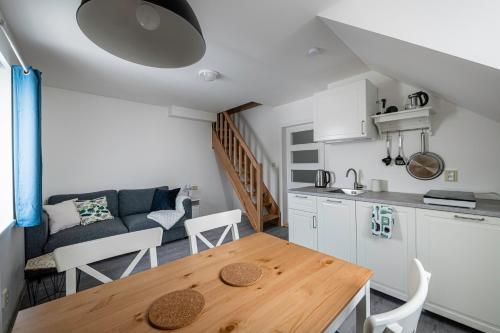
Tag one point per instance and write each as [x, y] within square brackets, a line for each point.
[484, 207]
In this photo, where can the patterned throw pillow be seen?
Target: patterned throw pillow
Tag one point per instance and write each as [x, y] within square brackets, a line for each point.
[93, 210]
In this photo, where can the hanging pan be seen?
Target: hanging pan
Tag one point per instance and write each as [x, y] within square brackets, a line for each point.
[425, 165]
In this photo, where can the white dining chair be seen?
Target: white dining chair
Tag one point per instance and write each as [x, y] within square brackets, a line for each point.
[194, 228]
[77, 256]
[405, 318]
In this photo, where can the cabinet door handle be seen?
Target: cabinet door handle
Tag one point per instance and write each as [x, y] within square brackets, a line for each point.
[477, 219]
[301, 196]
[315, 222]
[362, 127]
[334, 201]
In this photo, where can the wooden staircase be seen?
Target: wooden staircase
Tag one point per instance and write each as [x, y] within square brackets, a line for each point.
[243, 170]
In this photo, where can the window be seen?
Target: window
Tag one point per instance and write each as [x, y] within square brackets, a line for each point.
[6, 191]
[304, 156]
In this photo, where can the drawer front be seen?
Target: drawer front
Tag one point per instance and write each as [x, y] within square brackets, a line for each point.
[303, 202]
[459, 217]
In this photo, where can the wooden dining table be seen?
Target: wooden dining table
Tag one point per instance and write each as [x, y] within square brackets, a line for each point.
[301, 290]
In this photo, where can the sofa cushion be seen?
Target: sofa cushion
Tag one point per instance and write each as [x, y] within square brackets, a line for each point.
[62, 215]
[94, 210]
[138, 222]
[136, 201]
[81, 233]
[111, 198]
[164, 199]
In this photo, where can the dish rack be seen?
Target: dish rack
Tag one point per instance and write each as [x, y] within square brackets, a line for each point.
[408, 120]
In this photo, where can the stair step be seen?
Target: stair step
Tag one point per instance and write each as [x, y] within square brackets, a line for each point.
[269, 217]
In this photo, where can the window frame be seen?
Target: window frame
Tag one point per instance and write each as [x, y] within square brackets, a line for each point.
[6, 172]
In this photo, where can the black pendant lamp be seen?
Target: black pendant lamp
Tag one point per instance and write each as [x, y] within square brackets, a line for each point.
[155, 33]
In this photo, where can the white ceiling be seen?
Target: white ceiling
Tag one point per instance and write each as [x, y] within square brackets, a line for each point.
[259, 46]
[462, 82]
[465, 28]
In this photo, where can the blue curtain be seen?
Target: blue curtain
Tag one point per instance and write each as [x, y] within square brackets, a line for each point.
[27, 146]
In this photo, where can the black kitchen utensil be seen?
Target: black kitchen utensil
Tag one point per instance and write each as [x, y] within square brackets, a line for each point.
[387, 160]
[400, 160]
[391, 109]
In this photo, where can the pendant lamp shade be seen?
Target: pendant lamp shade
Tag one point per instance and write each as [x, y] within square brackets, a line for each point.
[155, 33]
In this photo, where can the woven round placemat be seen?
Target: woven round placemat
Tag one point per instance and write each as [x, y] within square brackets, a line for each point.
[240, 274]
[176, 309]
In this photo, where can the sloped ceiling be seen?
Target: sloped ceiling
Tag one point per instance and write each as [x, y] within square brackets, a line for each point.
[466, 29]
[463, 82]
[259, 46]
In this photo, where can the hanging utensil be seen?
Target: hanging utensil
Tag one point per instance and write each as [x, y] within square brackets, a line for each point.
[425, 165]
[400, 160]
[387, 160]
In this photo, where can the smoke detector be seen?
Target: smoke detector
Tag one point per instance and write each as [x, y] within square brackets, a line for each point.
[209, 75]
[314, 51]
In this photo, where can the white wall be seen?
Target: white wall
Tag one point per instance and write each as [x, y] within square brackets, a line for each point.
[463, 28]
[95, 143]
[11, 270]
[466, 141]
[12, 238]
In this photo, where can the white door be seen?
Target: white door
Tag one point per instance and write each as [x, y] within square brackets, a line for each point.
[390, 259]
[302, 228]
[304, 156]
[462, 252]
[337, 228]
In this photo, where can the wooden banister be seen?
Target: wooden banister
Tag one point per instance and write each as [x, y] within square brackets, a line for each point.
[244, 171]
[241, 108]
[234, 131]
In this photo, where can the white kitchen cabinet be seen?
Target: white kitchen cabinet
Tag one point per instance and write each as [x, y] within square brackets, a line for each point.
[462, 252]
[302, 228]
[304, 202]
[390, 259]
[337, 228]
[344, 113]
[302, 223]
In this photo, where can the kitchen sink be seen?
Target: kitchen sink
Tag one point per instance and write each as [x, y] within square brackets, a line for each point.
[347, 191]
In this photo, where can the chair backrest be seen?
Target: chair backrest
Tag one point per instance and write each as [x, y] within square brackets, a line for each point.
[78, 256]
[405, 318]
[194, 227]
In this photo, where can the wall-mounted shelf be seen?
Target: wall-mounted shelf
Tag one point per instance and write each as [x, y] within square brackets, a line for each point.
[408, 120]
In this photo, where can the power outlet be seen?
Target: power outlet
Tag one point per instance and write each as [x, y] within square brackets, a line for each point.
[194, 187]
[5, 298]
[451, 176]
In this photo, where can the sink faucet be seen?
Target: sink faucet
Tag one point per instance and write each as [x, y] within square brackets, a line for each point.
[356, 185]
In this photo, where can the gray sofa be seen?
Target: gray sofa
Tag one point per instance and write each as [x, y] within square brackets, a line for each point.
[129, 208]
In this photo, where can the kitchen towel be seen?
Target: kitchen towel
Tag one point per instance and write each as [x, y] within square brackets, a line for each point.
[382, 221]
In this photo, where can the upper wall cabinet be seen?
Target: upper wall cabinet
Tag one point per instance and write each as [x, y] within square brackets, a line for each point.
[344, 113]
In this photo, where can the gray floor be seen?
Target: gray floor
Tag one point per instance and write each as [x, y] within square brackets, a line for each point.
[169, 252]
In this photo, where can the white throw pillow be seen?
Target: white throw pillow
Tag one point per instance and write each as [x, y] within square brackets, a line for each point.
[62, 215]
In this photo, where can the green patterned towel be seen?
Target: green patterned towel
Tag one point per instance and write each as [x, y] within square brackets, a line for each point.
[382, 221]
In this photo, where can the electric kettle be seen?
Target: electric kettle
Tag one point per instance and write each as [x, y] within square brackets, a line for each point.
[418, 100]
[323, 178]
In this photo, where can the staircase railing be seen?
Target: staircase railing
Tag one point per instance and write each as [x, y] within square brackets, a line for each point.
[247, 171]
[270, 171]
